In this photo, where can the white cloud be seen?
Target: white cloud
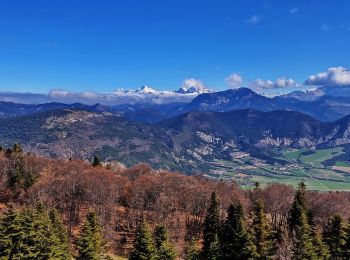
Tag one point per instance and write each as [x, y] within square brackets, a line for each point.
[255, 19]
[193, 83]
[282, 82]
[326, 27]
[294, 11]
[234, 80]
[285, 83]
[335, 76]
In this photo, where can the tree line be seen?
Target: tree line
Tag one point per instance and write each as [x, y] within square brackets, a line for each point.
[36, 233]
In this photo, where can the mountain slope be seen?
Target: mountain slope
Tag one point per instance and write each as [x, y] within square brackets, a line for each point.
[186, 143]
[10, 109]
[324, 108]
[227, 100]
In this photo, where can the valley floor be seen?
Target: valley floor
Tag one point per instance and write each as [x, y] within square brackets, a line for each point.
[314, 167]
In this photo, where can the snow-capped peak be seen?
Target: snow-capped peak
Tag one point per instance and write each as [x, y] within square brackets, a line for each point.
[193, 90]
[193, 86]
[142, 90]
[147, 90]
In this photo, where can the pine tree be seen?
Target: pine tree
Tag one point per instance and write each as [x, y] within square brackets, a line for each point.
[17, 149]
[62, 248]
[211, 247]
[347, 241]
[164, 249]
[90, 244]
[96, 161]
[192, 251]
[334, 236]
[28, 234]
[236, 242]
[321, 249]
[143, 244]
[8, 228]
[15, 173]
[298, 207]
[262, 233]
[303, 247]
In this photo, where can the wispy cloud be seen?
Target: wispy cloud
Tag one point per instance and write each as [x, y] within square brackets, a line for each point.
[326, 27]
[255, 19]
[294, 11]
[50, 44]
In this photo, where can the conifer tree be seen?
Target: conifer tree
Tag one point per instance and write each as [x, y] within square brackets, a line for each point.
[321, 249]
[143, 244]
[62, 248]
[15, 173]
[192, 252]
[28, 234]
[8, 228]
[96, 161]
[236, 242]
[263, 237]
[164, 249]
[298, 207]
[90, 244]
[347, 241]
[334, 236]
[303, 247]
[211, 247]
[17, 149]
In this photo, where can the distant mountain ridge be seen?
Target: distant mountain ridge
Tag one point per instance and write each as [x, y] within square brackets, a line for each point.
[325, 104]
[324, 108]
[10, 109]
[187, 142]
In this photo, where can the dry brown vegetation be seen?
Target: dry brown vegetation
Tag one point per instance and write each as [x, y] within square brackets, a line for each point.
[121, 196]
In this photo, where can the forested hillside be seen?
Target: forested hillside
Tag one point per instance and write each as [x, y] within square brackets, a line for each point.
[60, 209]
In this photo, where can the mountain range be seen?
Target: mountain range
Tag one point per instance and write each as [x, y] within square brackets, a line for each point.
[190, 136]
[324, 104]
[186, 142]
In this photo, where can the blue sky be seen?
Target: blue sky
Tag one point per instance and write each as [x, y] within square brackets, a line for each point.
[108, 44]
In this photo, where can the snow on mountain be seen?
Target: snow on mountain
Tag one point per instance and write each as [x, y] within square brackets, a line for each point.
[193, 90]
[305, 95]
[315, 94]
[146, 90]
[144, 94]
[143, 90]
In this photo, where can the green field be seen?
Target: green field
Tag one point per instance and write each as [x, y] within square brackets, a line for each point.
[302, 165]
[320, 156]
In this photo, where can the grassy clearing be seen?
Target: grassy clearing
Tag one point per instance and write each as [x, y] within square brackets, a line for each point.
[341, 164]
[320, 156]
[294, 155]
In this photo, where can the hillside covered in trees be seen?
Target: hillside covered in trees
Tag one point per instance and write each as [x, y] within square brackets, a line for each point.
[71, 209]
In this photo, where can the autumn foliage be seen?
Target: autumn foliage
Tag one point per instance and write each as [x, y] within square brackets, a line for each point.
[122, 197]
